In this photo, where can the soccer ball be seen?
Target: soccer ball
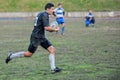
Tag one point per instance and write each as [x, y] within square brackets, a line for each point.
[54, 24]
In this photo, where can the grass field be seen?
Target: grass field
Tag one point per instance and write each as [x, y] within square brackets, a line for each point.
[77, 5]
[83, 53]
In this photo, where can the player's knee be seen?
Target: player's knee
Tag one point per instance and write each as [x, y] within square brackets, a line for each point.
[51, 49]
[28, 54]
[63, 24]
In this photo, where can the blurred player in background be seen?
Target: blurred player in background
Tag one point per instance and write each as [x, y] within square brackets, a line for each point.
[41, 24]
[89, 19]
[59, 14]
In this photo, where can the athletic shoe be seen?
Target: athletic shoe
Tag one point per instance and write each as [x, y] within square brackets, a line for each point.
[56, 70]
[8, 58]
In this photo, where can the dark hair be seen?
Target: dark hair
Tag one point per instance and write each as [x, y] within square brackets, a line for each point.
[49, 5]
[59, 4]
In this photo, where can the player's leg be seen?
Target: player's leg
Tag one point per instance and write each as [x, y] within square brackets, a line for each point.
[21, 54]
[54, 69]
[58, 21]
[63, 25]
[63, 28]
[47, 45]
[51, 50]
[92, 22]
[87, 22]
[31, 49]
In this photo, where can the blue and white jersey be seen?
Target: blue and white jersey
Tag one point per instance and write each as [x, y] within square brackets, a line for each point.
[59, 12]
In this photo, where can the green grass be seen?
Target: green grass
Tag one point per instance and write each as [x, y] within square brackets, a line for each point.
[77, 5]
[83, 53]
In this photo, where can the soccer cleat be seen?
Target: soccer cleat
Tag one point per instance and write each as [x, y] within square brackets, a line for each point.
[8, 57]
[56, 70]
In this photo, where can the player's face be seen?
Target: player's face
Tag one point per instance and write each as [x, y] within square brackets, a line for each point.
[60, 6]
[50, 11]
[90, 11]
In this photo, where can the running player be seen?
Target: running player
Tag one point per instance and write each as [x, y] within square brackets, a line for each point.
[37, 38]
[59, 13]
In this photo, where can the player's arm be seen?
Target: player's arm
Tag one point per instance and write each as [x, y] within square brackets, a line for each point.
[50, 29]
[63, 12]
[46, 24]
[54, 14]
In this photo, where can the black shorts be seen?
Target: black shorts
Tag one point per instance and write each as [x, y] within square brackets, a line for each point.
[35, 42]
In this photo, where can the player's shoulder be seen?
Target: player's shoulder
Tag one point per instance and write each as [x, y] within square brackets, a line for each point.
[62, 8]
[42, 14]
